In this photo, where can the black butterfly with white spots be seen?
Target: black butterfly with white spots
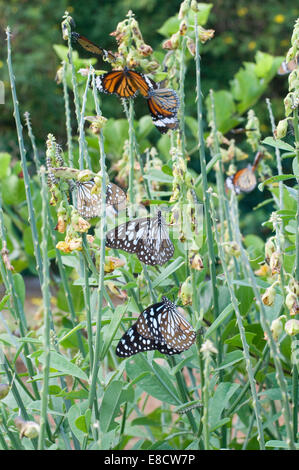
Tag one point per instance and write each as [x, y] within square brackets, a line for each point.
[159, 327]
[147, 237]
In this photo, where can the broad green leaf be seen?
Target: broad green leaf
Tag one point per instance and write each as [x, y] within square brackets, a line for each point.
[220, 400]
[20, 287]
[231, 359]
[157, 383]
[280, 144]
[275, 179]
[171, 268]
[279, 444]
[113, 397]
[223, 315]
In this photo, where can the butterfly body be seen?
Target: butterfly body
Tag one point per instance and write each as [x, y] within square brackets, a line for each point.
[159, 327]
[89, 204]
[147, 237]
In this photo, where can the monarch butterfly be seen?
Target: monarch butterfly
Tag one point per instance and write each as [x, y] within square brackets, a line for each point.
[89, 205]
[287, 67]
[124, 83]
[91, 46]
[159, 327]
[163, 104]
[147, 237]
[244, 180]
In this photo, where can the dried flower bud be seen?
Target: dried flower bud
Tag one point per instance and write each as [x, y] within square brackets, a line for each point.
[183, 28]
[194, 6]
[196, 262]
[112, 263]
[97, 123]
[79, 224]
[292, 327]
[4, 390]
[277, 327]
[145, 49]
[75, 244]
[205, 34]
[263, 270]
[115, 290]
[281, 129]
[61, 224]
[167, 44]
[63, 246]
[269, 249]
[186, 291]
[191, 46]
[292, 303]
[288, 103]
[184, 8]
[293, 286]
[275, 263]
[269, 296]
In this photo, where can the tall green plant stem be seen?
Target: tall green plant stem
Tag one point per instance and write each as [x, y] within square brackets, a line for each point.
[19, 127]
[67, 116]
[103, 229]
[47, 312]
[131, 152]
[234, 300]
[295, 376]
[264, 323]
[206, 195]
[277, 154]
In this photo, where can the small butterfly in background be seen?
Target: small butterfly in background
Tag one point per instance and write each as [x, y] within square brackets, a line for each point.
[147, 237]
[159, 327]
[124, 83]
[244, 181]
[89, 205]
[163, 104]
[92, 47]
[288, 67]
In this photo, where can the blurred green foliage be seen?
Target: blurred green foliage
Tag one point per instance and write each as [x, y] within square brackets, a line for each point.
[241, 30]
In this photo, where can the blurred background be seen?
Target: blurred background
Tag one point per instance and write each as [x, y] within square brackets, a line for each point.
[241, 28]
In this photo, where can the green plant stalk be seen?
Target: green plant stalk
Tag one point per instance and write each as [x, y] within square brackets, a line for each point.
[73, 74]
[9, 283]
[277, 154]
[67, 117]
[82, 143]
[182, 93]
[103, 229]
[86, 290]
[206, 195]
[31, 217]
[255, 401]
[47, 312]
[32, 140]
[131, 152]
[295, 375]
[205, 401]
[264, 323]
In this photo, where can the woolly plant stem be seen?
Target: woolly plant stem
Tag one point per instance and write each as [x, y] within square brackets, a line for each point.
[67, 116]
[206, 195]
[277, 153]
[31, 217]
[131, 152]
[47, 312]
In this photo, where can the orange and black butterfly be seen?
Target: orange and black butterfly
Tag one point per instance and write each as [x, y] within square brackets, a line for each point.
[125, 83]
[92, 47]
[244, 181]
[163, 104]
[288, 67]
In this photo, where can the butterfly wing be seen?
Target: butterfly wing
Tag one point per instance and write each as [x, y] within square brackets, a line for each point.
[124, 83]
[152, 331]
[163, 105]
[128, 235]
[157, 248]
[91, 46]
[89, 205]
[244, 180]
